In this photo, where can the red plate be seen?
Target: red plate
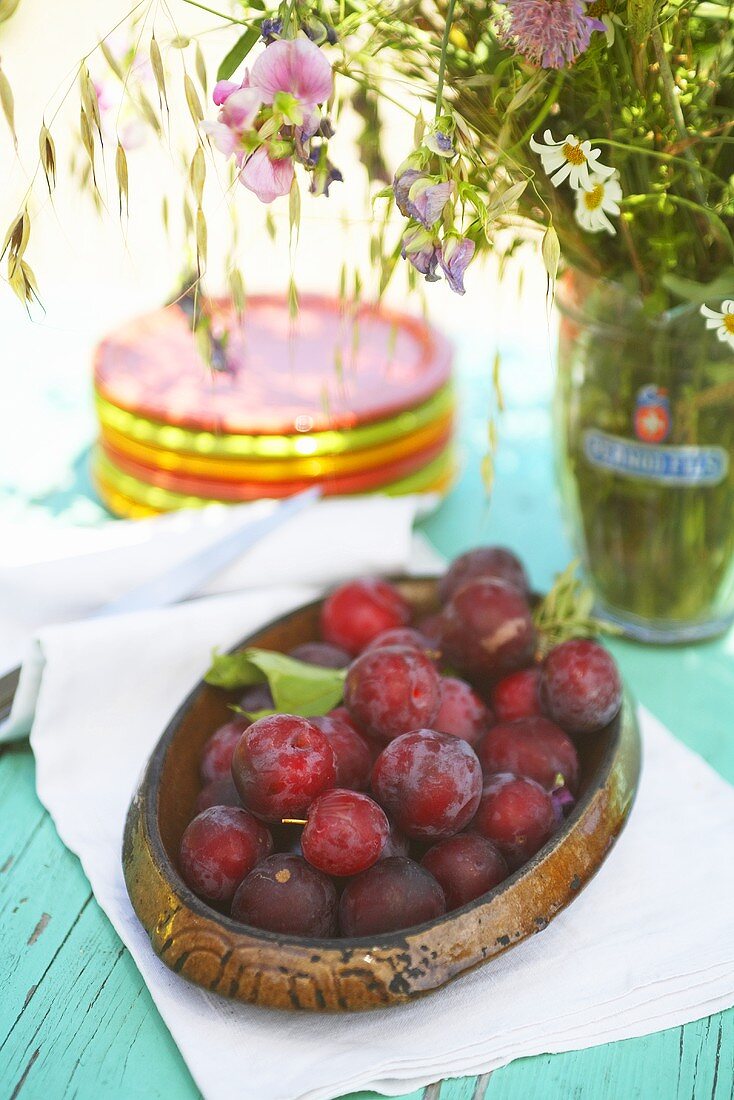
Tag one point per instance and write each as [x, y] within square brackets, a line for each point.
[328, 368]
[210, 489]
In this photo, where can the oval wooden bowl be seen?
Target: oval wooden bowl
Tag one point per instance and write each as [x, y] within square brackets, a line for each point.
[258, 967]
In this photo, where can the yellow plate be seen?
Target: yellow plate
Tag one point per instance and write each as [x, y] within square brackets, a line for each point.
[119, 504]
[122, 506]
[166, 437]
[127, 496]
[285, 469]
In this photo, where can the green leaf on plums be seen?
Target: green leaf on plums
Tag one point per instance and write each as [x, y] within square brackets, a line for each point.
[297, 687]
[567, 612]
[253, 715]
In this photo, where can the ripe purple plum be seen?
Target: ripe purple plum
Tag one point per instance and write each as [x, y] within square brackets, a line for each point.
[533, 747]
[358, 611]
[216, 756]
[429, 783]
[517, 815]
[286, 894]
[495, 562]
[353, 754]
[218, 848]
[466, 866]
[281, 763]
[218, 792]
[394, 893]
[391, 690]
[462, 713]
[580, 686]
[345, 833]
[406, 636]
[257, 698]
[518, 695]
[431, 627]
[321, 654]
[488, 630]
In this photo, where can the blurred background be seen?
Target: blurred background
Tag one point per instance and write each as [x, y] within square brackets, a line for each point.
[95, 272]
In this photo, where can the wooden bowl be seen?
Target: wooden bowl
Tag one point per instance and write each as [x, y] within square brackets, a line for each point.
[222, 955]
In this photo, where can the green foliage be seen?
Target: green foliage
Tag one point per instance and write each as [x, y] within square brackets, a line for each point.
[238, 53]
[566, 612]
[297, 688]
[658, 101]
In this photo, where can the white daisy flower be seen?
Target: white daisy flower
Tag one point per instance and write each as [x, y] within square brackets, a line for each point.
[569, 159]
[594, 202]
[723, 322]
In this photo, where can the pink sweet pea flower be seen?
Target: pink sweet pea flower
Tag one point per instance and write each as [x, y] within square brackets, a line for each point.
[296, 67]
[223, 139]
[267, 178]
[239, 106]
[240, 109]
[223, 90]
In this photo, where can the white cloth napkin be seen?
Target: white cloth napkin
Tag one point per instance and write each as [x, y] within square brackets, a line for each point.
[647, 945]
[85, 569]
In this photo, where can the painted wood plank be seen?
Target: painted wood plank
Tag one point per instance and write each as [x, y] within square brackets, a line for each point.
[90, 1029]
[695, 1062]
[461, 1088]
[41, 896]
[419, 1095]
[75, 1015]
[22, 813]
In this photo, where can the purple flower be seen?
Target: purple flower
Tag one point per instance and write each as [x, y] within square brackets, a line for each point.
[549, 33]
[454, 257]
[270, 29]
[428, 200]
[420, 249]
[420, 196]
[439, 143]
[319, 32]
[401, 186]
[324, 175]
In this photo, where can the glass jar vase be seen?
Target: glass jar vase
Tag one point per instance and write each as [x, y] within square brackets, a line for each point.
[644, 427]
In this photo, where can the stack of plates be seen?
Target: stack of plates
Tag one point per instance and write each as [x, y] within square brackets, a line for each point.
[355, 399]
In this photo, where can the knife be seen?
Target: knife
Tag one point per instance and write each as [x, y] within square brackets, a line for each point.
[187, 576]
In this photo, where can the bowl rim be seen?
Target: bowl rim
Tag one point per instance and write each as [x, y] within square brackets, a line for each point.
[385, 940]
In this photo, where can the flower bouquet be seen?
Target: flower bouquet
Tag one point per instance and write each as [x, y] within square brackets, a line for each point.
[606, 128]
[609, 127]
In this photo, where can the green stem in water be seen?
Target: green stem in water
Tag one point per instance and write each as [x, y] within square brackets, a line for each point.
[670, 95]
[442, 63]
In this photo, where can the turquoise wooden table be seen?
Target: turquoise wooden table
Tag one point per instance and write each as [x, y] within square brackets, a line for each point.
[76, 1019]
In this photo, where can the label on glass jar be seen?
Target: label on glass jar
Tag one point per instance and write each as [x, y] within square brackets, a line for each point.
[664, 465]
[651, 419]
